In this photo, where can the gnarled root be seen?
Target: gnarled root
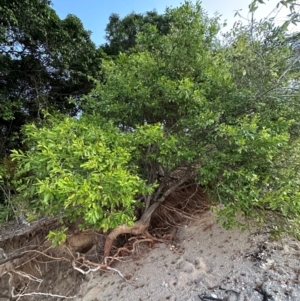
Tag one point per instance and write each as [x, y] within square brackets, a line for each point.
[138, 228]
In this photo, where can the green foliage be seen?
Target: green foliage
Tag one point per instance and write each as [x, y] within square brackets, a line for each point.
[7, 191]
[121, 34]
[57, 236]
[79, 169]
[43, 61]
[294, 16]
[181, 104]
[282, 188]
[229, 109]
[173, 81]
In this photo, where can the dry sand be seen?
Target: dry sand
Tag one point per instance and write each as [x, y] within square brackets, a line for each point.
[206, 262]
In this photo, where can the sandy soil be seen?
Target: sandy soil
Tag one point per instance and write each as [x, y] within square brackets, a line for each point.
[205, 262]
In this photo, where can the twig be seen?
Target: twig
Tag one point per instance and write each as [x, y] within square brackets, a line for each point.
[85, 272]
[39, 294]
[30, 277]
[117, 271]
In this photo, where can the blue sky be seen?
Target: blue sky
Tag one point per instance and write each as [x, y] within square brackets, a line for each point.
[95, 13]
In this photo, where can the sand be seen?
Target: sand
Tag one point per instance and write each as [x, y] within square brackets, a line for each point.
[205, 262]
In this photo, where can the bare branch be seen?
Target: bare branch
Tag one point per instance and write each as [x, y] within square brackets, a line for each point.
[280, 80]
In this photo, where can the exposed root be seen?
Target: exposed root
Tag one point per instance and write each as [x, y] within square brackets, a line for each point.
[179, 207]
[127, 250]
[87, 266]
[139, 228]
[19, 295]
[23, 265]
[19, 288]
[22, 291]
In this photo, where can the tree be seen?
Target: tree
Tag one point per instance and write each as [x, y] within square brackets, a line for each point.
[222, 104]
[182, 108]
[121, 34]
[44, 61]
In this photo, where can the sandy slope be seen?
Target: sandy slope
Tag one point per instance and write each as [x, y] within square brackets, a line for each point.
[205, 263]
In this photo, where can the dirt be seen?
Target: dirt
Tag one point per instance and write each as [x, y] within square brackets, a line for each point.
[203, 262]
[30, 272]
[206, 263]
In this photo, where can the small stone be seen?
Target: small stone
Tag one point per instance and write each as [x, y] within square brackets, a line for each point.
[295, 246]
[270, 261]
[165, 284]
[214, 296]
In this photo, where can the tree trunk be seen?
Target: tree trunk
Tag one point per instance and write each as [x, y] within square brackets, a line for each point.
[141, 226]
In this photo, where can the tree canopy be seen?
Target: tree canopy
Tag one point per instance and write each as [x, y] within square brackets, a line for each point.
[121, 34]
[184, 106]
[44, 60]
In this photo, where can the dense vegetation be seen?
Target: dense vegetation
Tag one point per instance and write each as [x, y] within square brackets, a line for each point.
[44, 61]
[169, 99]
